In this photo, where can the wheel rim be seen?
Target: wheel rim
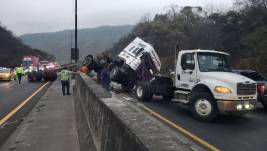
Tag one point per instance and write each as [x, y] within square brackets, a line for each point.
[139, 91]
[203, 107]
[112, 74]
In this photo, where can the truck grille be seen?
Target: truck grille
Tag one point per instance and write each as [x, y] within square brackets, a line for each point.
[246, 89]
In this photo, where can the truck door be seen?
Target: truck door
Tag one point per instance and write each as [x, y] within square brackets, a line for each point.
[186, 72]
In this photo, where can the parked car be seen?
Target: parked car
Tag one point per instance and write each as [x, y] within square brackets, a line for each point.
[261, 84]
[7, 74]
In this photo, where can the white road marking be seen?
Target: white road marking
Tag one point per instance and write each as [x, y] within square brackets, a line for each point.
[4, 84]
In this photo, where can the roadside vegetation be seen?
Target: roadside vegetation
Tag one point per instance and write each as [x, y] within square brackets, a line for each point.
[241, 31]
[12, 50]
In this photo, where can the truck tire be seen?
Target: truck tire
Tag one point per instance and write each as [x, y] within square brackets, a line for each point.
[143, 91]
[39, 76]
[203, 106]
[115, 74]
[53, 76]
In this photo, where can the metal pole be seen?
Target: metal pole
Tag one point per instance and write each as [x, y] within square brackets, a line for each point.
[76, 29]
[70, 38]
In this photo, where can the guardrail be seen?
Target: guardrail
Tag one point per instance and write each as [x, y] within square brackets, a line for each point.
[107, 123]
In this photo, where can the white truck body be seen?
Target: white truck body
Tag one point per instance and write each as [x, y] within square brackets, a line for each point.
[210, 79]
[204, 81]
[132, 54]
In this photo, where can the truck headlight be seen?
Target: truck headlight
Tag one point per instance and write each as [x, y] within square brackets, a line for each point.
[224, 90]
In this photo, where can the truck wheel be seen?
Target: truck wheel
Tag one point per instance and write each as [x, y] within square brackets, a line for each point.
[143, 91]
[114, 74]
[203, 106]
[54, 76]
[39, 76]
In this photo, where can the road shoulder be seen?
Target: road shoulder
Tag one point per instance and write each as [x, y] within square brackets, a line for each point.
[49, 126]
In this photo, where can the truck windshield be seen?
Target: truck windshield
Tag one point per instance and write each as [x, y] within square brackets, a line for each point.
[26, 63]
[209, 62]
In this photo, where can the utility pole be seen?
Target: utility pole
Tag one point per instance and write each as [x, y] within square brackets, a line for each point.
[74, 57]
[76, 49]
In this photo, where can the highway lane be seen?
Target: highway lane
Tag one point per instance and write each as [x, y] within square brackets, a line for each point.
[226, 133]
[12, 94]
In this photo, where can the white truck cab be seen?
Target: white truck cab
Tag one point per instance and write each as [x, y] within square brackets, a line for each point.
[204, 81]
[134, 51]
[140, 61]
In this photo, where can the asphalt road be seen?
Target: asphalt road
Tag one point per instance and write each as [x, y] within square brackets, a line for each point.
[12, 94]
[16, 100]
[227, 133]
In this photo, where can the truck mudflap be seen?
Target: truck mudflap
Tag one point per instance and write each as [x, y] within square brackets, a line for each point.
[236, 105]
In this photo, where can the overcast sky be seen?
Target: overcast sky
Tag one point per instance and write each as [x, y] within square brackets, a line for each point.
[31, 16]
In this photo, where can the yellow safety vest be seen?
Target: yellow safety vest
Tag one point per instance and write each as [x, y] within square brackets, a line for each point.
[64, 75]
[19, 70]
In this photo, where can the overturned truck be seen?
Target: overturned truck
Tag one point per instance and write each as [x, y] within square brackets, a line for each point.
[203, 80]
[138, 61]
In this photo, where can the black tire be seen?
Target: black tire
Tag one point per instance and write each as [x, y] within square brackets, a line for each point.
[54, 76]
[50, 76]
[115, 74]
[39, 76]
[143, 91]
[207, 100]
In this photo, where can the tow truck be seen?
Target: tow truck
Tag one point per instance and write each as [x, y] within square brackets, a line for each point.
[202, 80]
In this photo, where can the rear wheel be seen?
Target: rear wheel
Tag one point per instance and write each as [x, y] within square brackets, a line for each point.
[114, 74]
[39, 76]
[203, 106]
[143, 91]
[54, 76]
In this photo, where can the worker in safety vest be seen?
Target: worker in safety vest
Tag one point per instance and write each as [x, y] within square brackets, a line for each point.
[65, 77]
[19, 73]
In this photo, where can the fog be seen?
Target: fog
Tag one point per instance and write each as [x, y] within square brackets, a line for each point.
[34, 16]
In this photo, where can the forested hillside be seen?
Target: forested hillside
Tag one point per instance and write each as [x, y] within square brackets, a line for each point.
[242, 32]
[12, 50]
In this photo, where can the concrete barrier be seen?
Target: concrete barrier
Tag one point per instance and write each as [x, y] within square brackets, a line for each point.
[106, 123]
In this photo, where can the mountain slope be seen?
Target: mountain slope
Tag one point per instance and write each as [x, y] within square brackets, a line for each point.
[12, 50]
[90, 40]
[242, 33]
